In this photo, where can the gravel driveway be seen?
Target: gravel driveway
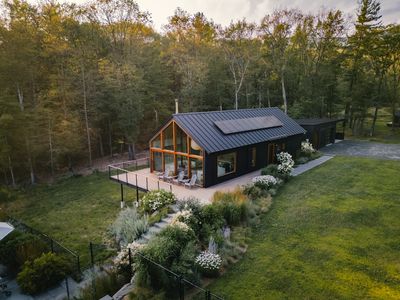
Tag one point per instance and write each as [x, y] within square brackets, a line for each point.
[363, 148]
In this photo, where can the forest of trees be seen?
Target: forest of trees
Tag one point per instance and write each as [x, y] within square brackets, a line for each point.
[83, 82]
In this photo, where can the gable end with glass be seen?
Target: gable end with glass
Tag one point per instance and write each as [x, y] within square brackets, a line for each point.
[219, 146]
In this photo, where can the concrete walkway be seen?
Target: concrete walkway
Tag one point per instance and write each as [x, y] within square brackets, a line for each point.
[310, 165]
[364, 149]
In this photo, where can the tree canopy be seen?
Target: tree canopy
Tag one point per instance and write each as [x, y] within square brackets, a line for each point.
[79, 82]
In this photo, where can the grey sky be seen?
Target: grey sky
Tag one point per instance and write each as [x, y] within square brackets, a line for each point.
[223, 11]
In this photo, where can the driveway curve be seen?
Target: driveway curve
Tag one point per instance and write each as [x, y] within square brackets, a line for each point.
[363, 149]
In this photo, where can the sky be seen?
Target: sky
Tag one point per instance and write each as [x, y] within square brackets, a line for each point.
[224, 11]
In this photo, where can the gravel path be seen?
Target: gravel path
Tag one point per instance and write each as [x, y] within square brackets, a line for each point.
[364, 149]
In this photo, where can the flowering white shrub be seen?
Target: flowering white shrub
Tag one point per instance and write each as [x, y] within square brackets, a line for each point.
[265, 181]
[182, 216]
[209, 262]
[307, 148]
[182, 226]
[286, 163]
[122, 259]
[155, 200]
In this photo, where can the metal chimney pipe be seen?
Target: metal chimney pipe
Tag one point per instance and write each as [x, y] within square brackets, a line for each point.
[176, 106]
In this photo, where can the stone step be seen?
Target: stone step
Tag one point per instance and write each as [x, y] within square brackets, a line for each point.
[154, 230]
[161, 224]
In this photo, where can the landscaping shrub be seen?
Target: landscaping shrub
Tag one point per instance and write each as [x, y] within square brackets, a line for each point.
[154, 200]
[265, 181]
[208, 263]
[286, 164]
[174, 248]
[42, 273]
[19, 247]
[232, 206]
[302, 160]
[271, 169]
[106, 284]
[307, 148]
[121, 261]
[129, 226]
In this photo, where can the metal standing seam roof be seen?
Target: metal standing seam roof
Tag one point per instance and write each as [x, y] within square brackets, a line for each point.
[201, 128]
[317, 121]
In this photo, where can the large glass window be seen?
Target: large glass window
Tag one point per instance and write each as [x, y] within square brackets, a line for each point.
[196, 167]
[194, 148]
[156, 143]
[169, 163]
[182, 164]
[226, 164]
[168, 138]
[181, 140]
[157, 161]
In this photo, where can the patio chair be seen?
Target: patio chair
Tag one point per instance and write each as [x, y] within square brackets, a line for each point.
[179, 178]
[163, 175]
[191, 182]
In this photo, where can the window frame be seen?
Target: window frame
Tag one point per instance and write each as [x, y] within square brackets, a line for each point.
[234, 164]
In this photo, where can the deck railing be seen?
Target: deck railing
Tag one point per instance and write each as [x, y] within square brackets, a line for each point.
[124, 173]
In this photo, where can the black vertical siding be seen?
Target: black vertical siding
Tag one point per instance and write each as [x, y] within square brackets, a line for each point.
[243, 166]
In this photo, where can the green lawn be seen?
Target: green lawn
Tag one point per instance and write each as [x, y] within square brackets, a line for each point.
[332, 233]
[74, 211]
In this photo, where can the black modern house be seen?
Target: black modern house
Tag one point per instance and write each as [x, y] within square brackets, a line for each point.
[221, 145]
[324, 131]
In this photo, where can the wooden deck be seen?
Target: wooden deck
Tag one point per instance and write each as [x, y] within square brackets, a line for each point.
[147, 181]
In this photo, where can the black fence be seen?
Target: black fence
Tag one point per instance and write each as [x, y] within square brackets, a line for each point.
[183, 288]
[54, 246]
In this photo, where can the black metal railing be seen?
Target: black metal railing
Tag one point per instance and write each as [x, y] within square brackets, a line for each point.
[54, 246]
[185, 288]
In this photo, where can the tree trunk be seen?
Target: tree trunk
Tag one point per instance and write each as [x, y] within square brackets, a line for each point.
[284, 92]
[268, 98]
[131, 151]
[374, 121]
[10, 167]
[86, 115]
[101, 149]
[51, 148]
[110, 137]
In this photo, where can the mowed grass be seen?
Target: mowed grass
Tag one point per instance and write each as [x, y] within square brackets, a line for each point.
[332, 233]
[74, 211]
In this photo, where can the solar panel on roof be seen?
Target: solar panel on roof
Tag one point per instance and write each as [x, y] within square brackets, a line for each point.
[248, 124]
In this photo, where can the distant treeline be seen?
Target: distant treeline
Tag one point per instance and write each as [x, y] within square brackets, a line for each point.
[81, 82]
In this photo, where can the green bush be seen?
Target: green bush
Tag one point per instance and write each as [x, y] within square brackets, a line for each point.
[105, 284]
[154, 200]
[174, 248]
[233, 206]
[271, 169]
[302, 160]
[42, 273]
[129, 226]
[19, 247]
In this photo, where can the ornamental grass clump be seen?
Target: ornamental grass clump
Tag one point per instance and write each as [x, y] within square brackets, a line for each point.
[129, 226]
[155, 200]
[208, 263]
[265, 181]
[232, 206]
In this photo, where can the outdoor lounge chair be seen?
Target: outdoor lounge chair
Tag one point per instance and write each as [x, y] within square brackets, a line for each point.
[163, 175]
[178, 179]
[191, 182]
